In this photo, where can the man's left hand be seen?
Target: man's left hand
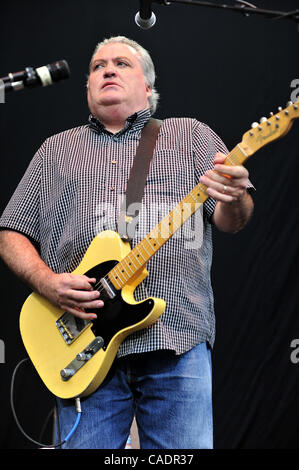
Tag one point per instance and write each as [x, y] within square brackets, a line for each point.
[225, 183]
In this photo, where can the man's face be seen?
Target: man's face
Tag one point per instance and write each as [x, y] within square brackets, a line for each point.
[116, 78]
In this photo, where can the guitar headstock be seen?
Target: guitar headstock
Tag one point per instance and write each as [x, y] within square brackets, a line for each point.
[267, 130]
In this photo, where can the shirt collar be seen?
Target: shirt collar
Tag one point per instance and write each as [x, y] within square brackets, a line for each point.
[135, 122]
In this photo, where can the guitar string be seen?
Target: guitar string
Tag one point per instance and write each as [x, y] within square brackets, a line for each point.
[169, 219]
[98, 284]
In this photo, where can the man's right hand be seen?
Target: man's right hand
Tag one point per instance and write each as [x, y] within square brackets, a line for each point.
[72, 293]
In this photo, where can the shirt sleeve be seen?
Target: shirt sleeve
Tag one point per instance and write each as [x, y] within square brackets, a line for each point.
[22, 211]
[206, 143]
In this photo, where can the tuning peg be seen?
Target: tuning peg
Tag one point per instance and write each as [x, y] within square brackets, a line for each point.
[271, 114]
[279, 108]
[254, 124]
[263, 119]
[289, 103]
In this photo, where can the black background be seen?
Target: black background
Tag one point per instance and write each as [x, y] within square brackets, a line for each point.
[224, 69]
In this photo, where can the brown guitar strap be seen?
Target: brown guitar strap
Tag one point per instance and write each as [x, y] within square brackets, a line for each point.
[135, 187]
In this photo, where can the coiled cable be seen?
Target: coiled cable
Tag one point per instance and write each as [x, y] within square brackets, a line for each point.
[49, 446]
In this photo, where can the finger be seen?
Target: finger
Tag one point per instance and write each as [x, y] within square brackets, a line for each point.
[229, 182]
[81, 305]
[91, 305]
[217, 182]
[226, 193]
[76, 281]
[223, 188]
[90, 280]
[77, 312]
[81, 295]
[86, 282]
[219, 157]
[236, 171]
[219, 196]
[211, 176]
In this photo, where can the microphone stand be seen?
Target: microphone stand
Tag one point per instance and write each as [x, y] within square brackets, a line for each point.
[245, 10]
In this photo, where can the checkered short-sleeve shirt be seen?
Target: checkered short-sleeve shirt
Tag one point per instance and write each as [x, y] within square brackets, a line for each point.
[73, 189]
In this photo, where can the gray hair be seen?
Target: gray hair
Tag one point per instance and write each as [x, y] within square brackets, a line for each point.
[145, 61]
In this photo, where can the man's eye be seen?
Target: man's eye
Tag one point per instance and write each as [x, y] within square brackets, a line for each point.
[122, 63]
[97, 66]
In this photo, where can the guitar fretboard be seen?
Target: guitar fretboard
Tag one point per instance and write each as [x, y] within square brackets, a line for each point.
[139, 256]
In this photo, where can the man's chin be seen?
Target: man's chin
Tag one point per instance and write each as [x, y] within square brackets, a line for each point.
[110, 102]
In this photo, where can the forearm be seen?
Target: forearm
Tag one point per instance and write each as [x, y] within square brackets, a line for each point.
[233, 216]
[71, 292]
[22, 258]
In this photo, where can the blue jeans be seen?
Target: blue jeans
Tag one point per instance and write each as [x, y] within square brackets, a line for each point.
[170, 395]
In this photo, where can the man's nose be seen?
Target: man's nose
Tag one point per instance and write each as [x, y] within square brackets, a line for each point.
[109, 71]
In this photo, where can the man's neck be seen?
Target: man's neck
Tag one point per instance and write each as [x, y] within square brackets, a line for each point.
[114, 117]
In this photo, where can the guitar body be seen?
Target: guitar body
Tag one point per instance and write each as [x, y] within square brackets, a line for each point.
[53, 338]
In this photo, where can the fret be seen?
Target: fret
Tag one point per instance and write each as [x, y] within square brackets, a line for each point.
[245, 155]
[124, 260]
[156, 241]
[177, 217]
[177, 214]
[236, 157]
[149, 243]
[132, 258]
[114, 279]
[139, 252]
[165, 225]
[143, 247]
[136, 258]
[230, 160]
[115, 274]
[118, 267]
[186, 211]
[194, 199]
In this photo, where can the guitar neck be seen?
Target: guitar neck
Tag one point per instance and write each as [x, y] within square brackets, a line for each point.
[260, 135]
[139, 256]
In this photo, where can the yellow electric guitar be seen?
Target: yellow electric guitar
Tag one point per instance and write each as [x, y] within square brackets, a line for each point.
[73, 356]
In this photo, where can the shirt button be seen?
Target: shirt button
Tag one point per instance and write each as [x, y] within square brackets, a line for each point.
[111, 188]
[113, 162]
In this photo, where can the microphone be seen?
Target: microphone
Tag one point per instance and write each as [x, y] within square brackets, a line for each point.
[33, 77]
[145, 18]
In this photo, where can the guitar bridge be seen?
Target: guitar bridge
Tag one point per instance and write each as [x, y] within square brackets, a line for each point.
[70, 326]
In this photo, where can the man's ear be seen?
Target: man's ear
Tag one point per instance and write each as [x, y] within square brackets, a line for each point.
[148, 91]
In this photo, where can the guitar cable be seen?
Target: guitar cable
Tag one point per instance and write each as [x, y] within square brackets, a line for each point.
[45, 446]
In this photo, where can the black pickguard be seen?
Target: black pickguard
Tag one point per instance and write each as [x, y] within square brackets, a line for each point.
[116, 313]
